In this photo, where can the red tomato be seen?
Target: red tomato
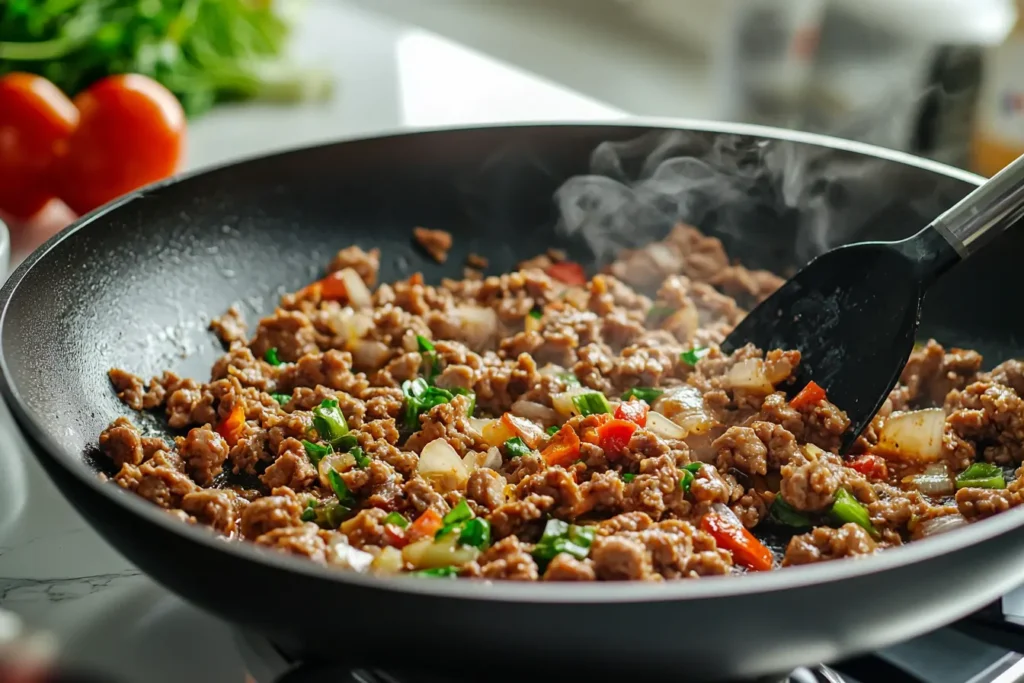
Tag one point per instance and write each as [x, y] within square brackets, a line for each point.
[871, 466]
[569, 272]
[131, 133]
[614, 435]
[36, 120]
[633, 410]
[810, 395]
[732, 536]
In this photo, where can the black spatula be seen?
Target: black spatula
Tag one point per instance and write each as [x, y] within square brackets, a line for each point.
[853, 311]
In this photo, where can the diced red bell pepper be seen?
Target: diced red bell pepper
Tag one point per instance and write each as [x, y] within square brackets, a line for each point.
[395, 535]
[633, 410]
[231, 426]
[810, 395]
[569, 272]
[730, 535]
[614, 436]
[871, 466]
[330, 288]
[563, 448]
[425, 526]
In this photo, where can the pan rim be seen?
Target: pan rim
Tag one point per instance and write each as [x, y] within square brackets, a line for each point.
[539, 593]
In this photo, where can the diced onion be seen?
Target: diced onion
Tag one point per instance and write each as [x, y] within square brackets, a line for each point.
[659, 425]
[358, 294]
[479, 325]
[534, 411]
[530, 433]
[563, 401]
[551, 370]
[341, 554]
[445, 552]
[441, 465]
[939, 525]
[388, 561]
[684, 405]
[682, 324]
[749, 374]
[934, 481]
[916, 435]
[348, 323]
[339, 462]
[491, 459]
[369, 355]
[496, 432]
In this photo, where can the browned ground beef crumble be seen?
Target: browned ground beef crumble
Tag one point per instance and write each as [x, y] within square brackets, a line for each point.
[248, 459]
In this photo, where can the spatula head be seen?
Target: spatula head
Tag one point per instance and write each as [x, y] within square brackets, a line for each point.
[853, 314]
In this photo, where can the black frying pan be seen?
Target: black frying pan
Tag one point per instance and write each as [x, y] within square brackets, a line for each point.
[135, 283]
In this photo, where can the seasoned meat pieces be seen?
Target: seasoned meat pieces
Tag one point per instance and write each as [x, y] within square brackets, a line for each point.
[309, 436]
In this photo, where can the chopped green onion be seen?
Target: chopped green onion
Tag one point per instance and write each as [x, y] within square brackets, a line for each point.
[315, 452]
[436, 572]
[460, 513]
[785, 514]
[693, 467]
[516, 448]
[421, 397]
[658, 312]
[330, 421]
[552, 430]
[308, 515]
[560, 537]
[345, 496]
[271, 356]
[477, 533]
[430, 357]
[628, 477]
[685, 481]
[648, 394]
[459, 391]
[346, 443]
[981, 475]
[415, 388]
[846, 509]
[536, 313]
[570, 379]
[281, 398]
[591, 403]
[362, 459]
[693, 355]
[397, 519]
[335, 514]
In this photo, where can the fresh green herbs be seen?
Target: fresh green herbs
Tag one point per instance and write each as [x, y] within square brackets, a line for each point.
[560, 537]
[786, 515]
[340, 489]
[845, 509]
[515, 447]
[281, 398]
[981, 475]
[396, 519]
[687, 476]
[591, 403]
[628, 477]
[431, 361]
[315, 452]
[436, 573]
[648, 394]
[271, 356]
[693, 355]
[330, 422]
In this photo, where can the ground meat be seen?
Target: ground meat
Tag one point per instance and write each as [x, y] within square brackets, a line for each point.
[434, 242]
[931, 373]
[604, 492]
[1009, 373]
[486, 487]
[554, 483]
[290, 332]
[279, 510]
[448, 421]
[301, 540]
[508, 559]
[159, 484]
[810, 481]
[822, 424]
[129, 388]
[366, 528]
[476, 261]
[215, 508]
[122, 443]
[292, 468]
[620, 558]
[516, 518]
[825, 543]
[976, 503]
[565, 567]
[365, 263]
[422, 496]
[991, 416]
[741, 448]
[230, 327]
[204, 452]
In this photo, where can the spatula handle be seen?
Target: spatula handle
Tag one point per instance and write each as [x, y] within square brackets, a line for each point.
[986, 212]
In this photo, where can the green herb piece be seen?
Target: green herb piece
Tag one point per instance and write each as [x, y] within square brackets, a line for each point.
[660, 312]
[685, 481]
[334, 515]
[271, 356]
[981, 475]
[362, 459]
[315, 452]
[346, 443]
[430, 357]
[330, 421]
[281, 398]
[477, 533]
[846, 509]
[397, 519]
[591, 403]
[436, 573]
[570, 379]
[345, 496]
[419, 398]
[308, 515]
[785, 514]
[693, 467]
[560, 537]
[536, 313]
[693, 355]
[460, 513]
[648, 394]
[516, 448]
[628, 477]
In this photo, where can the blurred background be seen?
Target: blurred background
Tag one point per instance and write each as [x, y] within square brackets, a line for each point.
[939, 78]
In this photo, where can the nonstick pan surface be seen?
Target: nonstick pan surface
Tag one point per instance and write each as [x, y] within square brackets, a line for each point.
[135, 284]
